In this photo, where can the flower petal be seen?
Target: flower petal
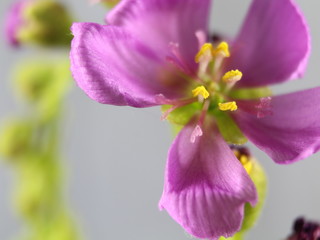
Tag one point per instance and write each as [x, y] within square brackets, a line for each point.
[113, 67]
[160, 22]
[292, 132]
[273, 45]
[206, 187]
[13, 22]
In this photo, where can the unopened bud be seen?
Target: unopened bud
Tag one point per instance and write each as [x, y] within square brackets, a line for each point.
[37, 186]
[37, 78]
[15, 138]
[44, 84]
[257, 175]
[41, 22]
[107, 3]
[306, 230]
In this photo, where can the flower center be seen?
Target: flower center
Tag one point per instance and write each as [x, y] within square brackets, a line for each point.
[209, 87]
[214, 86]
[211, 93]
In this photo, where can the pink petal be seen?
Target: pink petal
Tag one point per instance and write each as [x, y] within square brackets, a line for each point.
[273, 45]
[14, 20]
[113, 67]
[160, 22]
[206, 187]
[292, 132]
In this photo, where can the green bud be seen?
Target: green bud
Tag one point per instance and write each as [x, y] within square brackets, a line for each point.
[38, 187]
[62, 229]
[110, 3]
[43, 83]
[15, 138]
[251, 214]
[46, 23]
[32, 79]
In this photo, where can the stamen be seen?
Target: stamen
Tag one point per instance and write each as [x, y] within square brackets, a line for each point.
[201, 90]
[232, 76]
[166, 113]
[206, 52]
[222, 50]
[228, 106]
[197, 132]
[264, 107]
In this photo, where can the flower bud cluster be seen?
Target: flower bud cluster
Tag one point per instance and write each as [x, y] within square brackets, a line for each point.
[30, 143]
[305, 230]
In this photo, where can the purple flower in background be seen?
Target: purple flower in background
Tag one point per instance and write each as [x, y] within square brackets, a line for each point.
[14, 20]
[157, 52]
[40, 22]
[305, 230]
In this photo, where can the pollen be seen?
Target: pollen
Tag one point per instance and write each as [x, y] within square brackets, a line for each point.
[206, 50]
[228, 106]
[232, 76]
[222, 49]
[246, 163]
[201, 90]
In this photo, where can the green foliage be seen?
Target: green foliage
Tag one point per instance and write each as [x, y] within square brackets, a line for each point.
[229, 129]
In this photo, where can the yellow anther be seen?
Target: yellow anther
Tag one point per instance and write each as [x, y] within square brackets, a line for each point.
[206, 50]
[222, 49]
[201, 90]
[246, 163]
[228, 106]
[243, 159]
[232, 76]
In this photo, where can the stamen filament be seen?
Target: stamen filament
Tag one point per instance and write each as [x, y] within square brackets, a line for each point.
[177, 104]
[204, 112]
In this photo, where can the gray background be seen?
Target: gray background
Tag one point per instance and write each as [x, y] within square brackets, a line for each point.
[115, 156]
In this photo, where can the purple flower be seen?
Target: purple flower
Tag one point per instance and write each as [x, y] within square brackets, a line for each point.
[14, 21]
[40, 22]
[156, 52]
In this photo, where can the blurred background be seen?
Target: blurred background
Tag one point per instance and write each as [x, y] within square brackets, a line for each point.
[114, 157]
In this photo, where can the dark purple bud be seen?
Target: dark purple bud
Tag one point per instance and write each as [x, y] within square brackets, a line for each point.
[304, 230]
